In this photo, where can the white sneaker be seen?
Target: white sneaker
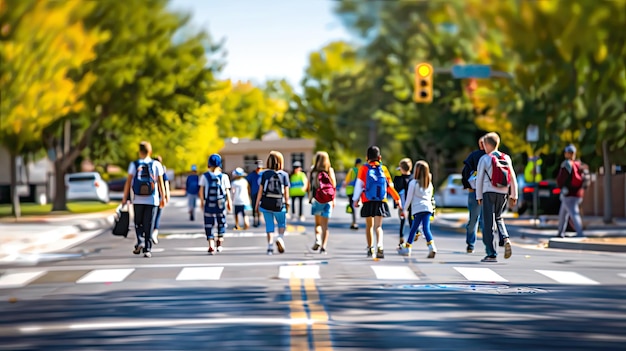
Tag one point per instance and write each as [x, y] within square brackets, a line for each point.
[155, 236]
[147, 254]
[302, 218]
[403, 250]
[280, 244]
[432, 250]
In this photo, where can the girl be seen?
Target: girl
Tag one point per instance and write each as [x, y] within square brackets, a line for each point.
[321, 211]
[419, 198]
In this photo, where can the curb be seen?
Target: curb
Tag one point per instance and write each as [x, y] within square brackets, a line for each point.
[578, 244]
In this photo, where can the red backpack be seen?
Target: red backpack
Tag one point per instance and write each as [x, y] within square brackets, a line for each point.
[325, 190]
[576, 177]
[500, 170]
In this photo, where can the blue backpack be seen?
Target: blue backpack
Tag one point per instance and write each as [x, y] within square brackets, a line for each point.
[375, 183]
[192, 184]
[214, 194]
[144, 183]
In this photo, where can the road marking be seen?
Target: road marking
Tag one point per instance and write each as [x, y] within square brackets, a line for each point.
[226, 248]
[623, 275]
[312, 331]
[105, 276]
[299, 272]
[16, 280]
[200, 273]
[394, 272]
[480, 274]
[565, 277]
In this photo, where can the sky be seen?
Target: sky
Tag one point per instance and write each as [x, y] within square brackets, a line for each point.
[266, 39]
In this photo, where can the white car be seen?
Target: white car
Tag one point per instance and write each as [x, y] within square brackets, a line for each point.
[86, 186]
[451, 192]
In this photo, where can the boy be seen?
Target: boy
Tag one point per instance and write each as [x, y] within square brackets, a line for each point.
[215, 200]
[145, 177]
[192, 188]
[372, 185]
[349, 183]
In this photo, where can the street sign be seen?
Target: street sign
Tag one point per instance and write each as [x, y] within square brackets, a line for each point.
[471, 71]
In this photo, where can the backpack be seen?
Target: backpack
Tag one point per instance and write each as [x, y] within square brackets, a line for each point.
[144, 182]
[500, 171]
[192, 186]
[324, 191]
[375, 183]
[214, 194]
[272, 198]
[580, 176]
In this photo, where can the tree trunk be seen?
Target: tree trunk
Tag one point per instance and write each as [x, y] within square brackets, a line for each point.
[16, 210]
[608, 209]
[59, 203]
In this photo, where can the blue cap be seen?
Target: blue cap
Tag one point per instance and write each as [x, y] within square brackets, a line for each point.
[194, 168]
[570, 148]
[215, 160]
[238, 172]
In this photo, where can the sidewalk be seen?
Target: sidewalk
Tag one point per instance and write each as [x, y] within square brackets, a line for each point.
[598, 236]
[28, 238]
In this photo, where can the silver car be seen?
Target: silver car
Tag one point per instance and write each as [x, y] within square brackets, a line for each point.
[451, 192]
[86, 186]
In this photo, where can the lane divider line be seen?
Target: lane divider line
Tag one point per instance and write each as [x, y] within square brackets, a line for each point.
[310, 329]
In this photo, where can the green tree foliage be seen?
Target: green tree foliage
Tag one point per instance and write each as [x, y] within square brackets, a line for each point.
[41, 42]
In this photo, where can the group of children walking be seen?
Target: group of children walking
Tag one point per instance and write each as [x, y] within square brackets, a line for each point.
[267, 192]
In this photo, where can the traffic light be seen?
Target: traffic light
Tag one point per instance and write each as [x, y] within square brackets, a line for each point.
[423, 83]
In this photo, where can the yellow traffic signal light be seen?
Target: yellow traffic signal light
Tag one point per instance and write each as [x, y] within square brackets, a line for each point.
[423, 83]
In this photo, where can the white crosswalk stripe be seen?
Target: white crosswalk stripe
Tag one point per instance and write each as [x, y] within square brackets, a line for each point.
[394, 272]
[17, 279]
[105, 276]
[200, 273]
[480, 274]
[565, 277]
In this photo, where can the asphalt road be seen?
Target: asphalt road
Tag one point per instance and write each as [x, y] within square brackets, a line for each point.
[99, 296]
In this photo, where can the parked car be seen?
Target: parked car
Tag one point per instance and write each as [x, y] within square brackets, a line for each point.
[116, 185]
[548, 198]
[86, 186]
[451, 193]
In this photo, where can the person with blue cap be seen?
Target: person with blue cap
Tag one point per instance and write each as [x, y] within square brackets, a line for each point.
[215, 200]
[240, 190]
[192, 188]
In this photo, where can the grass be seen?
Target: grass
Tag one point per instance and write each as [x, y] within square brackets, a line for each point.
[32, 209]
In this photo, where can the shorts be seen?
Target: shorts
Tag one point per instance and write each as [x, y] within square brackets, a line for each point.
[319, 209]
[240, 209]
[269, 216]
[212, 220]
[375, 209]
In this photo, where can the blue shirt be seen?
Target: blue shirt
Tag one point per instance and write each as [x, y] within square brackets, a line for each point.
[254, 179]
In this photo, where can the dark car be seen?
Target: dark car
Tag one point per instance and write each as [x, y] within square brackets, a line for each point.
[548, 198]
[117, 185]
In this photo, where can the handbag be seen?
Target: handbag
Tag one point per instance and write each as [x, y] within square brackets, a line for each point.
[122, 222]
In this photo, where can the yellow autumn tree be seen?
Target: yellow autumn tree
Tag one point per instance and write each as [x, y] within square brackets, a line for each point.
[41, 42]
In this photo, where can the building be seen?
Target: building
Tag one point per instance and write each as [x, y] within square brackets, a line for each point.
[244, 152]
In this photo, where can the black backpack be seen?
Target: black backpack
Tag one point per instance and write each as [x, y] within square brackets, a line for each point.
[272, 198]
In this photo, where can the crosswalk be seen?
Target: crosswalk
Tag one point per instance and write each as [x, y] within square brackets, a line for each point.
[19, 279]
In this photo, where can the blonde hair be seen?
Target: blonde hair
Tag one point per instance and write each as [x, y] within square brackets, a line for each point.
[422, 173]
[492, 139]
[275, 161]
[321, 162]
[406, 164]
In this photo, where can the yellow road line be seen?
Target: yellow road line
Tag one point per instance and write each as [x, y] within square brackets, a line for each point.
[314, 334]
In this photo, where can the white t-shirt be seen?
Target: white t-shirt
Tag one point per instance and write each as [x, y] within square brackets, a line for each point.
[239, 189]
[157, 170]
[418, 198]
[204, 182]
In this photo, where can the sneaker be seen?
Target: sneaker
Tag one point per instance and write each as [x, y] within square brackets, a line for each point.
[354, 227]
[138, 250]
[323, 251]
[489, 259]
[219, 245]
[431, 254]
[191, 217]
[211, 250]
[432, 250]
[470, 249]
[270, 252]
[380, 253]
[370, 251]
[147, 254]
[155, 236]
[302, 218]
[507, 248]
[316, 246]
[404, 250]
[280, 244]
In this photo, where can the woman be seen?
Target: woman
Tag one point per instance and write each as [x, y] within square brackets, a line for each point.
[321, 208]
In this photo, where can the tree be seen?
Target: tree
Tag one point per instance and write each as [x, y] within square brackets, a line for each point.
[149, 76]
[42, 42]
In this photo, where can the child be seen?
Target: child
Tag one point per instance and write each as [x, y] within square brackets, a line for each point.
[349, 184]
[372, 185]
[215, 199]
[322, 208]
[273, 200]
[298, 187]
[401, 184]
[241, 197]
[419, 198]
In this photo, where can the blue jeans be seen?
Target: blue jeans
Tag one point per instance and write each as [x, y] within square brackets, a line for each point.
[422, 218]
[269, 216]
[570, 208]
[144, 224]
[475, 218]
